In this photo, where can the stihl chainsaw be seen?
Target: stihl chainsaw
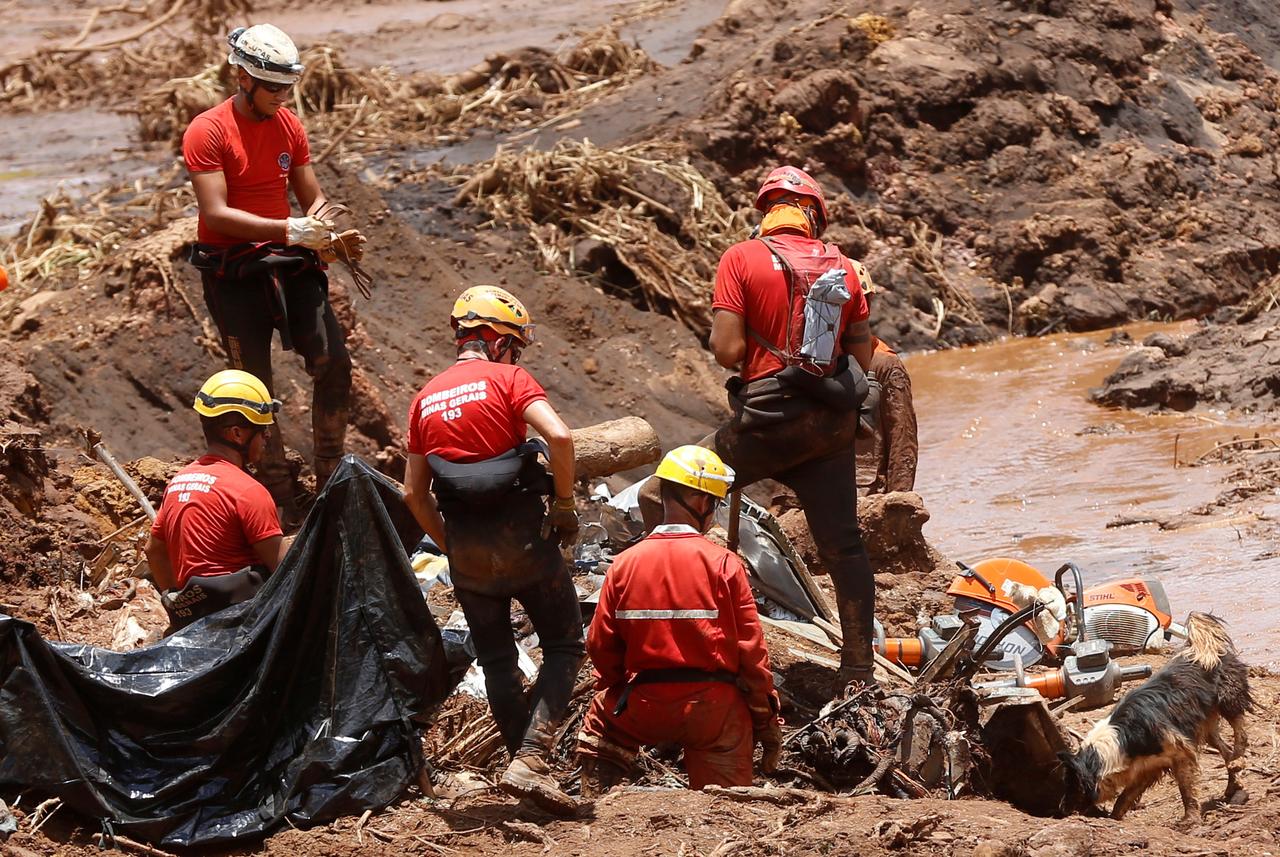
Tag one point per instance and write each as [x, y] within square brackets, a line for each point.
[1133, 615]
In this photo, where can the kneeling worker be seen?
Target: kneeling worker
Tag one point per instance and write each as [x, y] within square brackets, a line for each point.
[677, 645]
[217, 536]
[469, 461]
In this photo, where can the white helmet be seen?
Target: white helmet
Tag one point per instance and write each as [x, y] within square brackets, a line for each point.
[266, 53]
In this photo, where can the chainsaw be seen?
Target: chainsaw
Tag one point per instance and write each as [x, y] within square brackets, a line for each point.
[1132, 615]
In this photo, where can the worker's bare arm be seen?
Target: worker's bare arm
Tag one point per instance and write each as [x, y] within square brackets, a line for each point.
[158, 559]
[728, 338]
[420, 500]
[305, 186]
[211, 196]
[270, 551]
[543, 419]
[857, 341]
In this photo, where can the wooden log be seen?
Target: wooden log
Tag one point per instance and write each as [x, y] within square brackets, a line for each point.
[614, 446]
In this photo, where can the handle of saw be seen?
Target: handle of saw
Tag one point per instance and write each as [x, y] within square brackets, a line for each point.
[970, 571]
[1079, 594]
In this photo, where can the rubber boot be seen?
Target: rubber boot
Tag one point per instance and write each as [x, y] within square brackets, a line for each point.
[529, 776]
[857, 658]
[600, 775]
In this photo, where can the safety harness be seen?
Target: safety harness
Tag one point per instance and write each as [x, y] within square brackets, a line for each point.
[273, 262]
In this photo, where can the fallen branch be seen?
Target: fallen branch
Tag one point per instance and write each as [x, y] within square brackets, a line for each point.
[776, 796]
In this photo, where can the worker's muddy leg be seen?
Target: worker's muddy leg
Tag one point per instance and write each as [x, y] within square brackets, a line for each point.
[828, 494]
[606, 749]
[718, 739]
[489, 618]
[553, 609]
[244, 319]
[321, 341]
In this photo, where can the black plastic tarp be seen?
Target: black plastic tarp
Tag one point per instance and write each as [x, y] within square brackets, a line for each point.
[304, 703]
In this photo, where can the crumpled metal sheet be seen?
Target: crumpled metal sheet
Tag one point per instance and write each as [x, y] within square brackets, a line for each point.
[775, 569]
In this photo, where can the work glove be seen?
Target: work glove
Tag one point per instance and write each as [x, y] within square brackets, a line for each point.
[563, 518]
[869, 410]
[769, 737]
[309, 232]
[346, 247]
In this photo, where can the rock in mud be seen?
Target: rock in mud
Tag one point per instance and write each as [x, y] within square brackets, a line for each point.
[1227, 365]
[891, 530]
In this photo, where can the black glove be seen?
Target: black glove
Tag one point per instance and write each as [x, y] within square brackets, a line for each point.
[869, 410]
[563, 518]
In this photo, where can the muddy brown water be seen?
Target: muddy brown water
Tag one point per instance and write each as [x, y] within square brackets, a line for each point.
[1016, 461]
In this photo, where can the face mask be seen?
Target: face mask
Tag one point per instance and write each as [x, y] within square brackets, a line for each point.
[786, 215]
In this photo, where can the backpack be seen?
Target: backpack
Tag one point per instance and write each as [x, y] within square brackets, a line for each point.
[817, 291]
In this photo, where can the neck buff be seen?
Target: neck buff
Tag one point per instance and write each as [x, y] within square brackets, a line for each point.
[786, 215]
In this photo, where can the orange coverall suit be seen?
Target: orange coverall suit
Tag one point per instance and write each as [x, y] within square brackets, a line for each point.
[677, 639]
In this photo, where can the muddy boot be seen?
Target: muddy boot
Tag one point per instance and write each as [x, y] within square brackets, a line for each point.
[330, 407]
[600, 775]
[273, 472]
[863, 674]
[529, 776]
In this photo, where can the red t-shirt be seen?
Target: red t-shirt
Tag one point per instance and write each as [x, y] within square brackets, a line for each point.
[212, 515]
[472, 411]
[751, 283]
[254, 156]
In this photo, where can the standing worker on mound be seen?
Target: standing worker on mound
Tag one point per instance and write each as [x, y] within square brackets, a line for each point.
[476, 487]
[888, 447]
[678, 647]
[259, 265]
[217, 537]
[789, 311]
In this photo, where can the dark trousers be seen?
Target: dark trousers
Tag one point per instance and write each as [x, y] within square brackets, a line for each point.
[497, 554]
[244, 311]
[813, 455]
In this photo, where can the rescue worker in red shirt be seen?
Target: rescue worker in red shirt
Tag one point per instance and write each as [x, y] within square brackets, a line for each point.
[257, 262]
[216, 537]
[788, 314]
[887, 447]
[477, 488]
[677, 645]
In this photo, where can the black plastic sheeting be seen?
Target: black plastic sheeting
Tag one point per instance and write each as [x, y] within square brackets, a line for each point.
[304, 703]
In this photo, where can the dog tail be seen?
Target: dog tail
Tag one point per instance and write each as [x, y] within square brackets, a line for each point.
[1207, 641]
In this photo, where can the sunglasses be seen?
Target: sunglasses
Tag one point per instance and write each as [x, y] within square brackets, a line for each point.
[275, 88]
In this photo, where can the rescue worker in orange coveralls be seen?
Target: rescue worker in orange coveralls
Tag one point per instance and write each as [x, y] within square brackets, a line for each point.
[887, 445]
[677, 645]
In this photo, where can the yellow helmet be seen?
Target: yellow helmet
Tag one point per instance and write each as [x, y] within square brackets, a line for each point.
[864, 277]
[233, 390]
[495, 308]
[697, 468]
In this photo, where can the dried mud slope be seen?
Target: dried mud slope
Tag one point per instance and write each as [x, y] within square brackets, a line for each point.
[1032, 165]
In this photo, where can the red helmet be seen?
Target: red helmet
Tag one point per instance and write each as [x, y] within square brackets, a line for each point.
[793, 180]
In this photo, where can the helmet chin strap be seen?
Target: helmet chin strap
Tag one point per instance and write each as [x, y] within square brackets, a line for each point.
[703, 518]
[242, 448]
[248, 96]
[504, 345]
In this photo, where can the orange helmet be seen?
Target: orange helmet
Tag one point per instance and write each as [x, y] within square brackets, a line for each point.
[790, 179]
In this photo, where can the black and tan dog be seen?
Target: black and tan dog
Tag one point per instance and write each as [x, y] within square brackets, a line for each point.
[1160, 725]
